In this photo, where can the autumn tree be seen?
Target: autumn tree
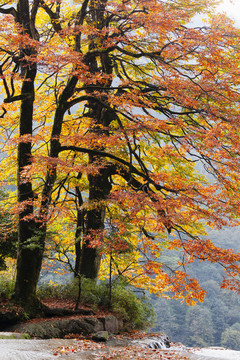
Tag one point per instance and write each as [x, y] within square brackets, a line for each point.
[110, 106]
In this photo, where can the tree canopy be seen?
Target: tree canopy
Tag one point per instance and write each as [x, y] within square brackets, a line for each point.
[110, 111]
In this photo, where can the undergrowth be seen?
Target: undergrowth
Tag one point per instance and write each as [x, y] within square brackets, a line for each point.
[135, 311]
[6, 287]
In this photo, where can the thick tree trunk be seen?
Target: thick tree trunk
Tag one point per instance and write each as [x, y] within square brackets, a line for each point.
[99, 184]
[99, 189]
[30, 245]
[29, 262]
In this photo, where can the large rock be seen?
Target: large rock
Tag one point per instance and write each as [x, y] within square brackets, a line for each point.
[43, 330]
[59, 328]
[100, 336]
[110, 324]
[85, 326]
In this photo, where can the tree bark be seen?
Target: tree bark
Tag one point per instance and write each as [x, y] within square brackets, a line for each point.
[30, 245]
[99, 184]
[30, 241]
[99, 189]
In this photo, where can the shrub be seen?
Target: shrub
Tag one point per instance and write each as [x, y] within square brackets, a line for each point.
[6, 287]
[50, 290]
[135, 311]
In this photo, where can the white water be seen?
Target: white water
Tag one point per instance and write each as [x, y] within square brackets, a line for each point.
[158, 342]
[25, 350]
[218, 353]
[33, 349]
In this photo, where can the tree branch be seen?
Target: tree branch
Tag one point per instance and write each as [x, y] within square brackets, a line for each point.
[53, 16]
[10, 11]
[34, 10]
[15, 98]
[123, 162]
[79, 21]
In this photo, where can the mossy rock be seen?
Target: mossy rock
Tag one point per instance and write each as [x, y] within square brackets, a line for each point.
[110, 324]
[61, 327]
[12, 335]
[36, 330]
[100, 336]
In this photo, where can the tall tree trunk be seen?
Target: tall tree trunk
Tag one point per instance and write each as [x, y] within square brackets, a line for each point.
[30, 246]
[99, 189]
[99, 184]
[32, 234]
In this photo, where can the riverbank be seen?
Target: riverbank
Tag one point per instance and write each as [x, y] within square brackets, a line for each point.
[87, 350]
[73, 349]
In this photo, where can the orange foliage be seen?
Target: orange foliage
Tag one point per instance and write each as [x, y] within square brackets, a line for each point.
[132, 94]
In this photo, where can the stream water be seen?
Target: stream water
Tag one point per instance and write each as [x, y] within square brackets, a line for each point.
[50, 349]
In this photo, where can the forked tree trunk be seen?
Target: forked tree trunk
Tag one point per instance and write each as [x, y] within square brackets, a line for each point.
[99, 184]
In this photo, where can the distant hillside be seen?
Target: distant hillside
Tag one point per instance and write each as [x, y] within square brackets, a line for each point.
[216, 321]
